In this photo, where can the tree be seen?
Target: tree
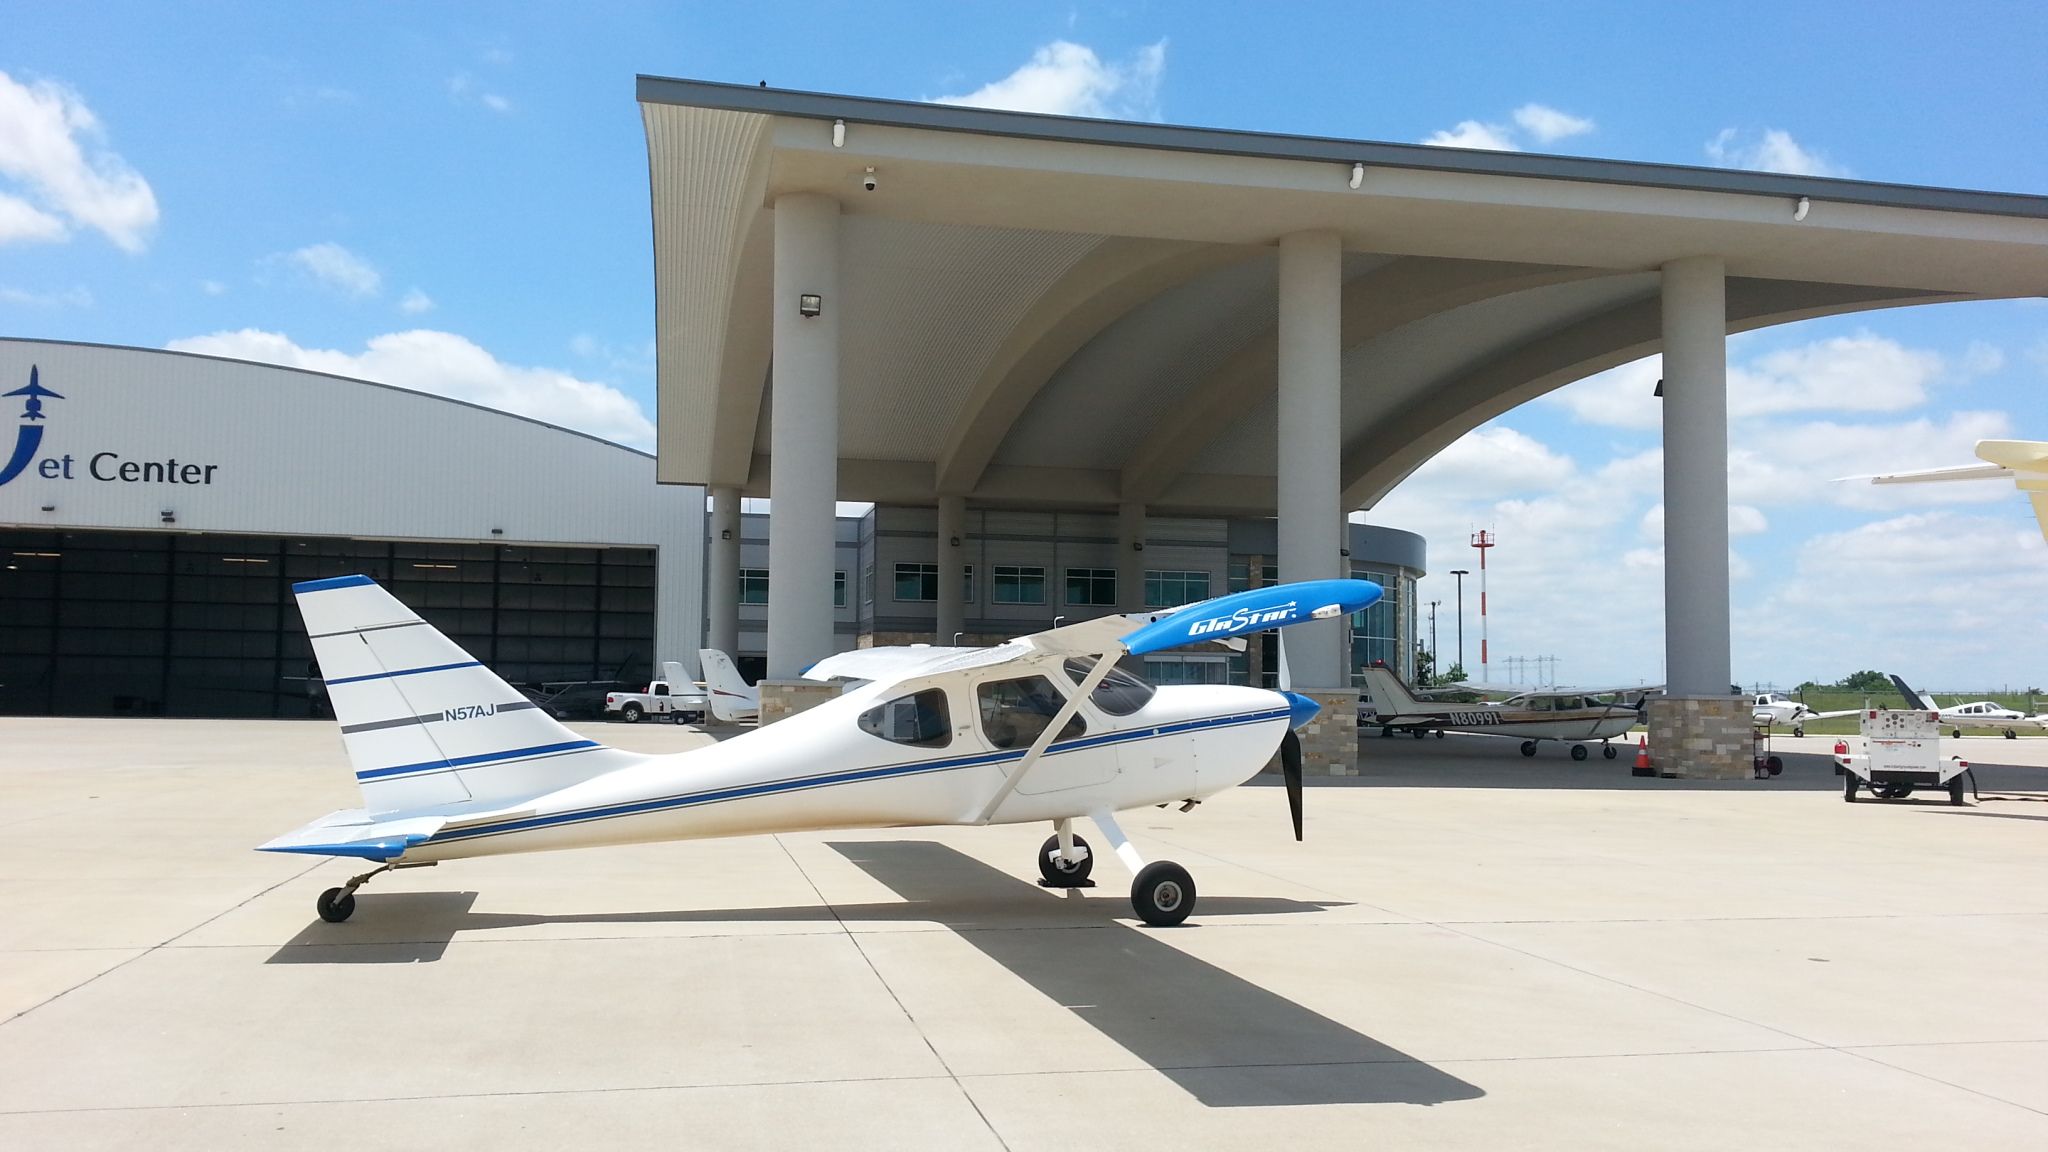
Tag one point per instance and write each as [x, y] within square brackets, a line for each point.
[1452, 675]
[1865, 681]
[1425, 667]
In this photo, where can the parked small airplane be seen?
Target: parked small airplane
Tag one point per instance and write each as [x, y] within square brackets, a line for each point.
[1774, 708]
[2025, 462]
[32, 408]
[1976, 714]
[1565, 714]
[732, 698]
[453, 763]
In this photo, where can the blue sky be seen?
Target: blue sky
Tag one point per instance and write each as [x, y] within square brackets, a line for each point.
[454, 197]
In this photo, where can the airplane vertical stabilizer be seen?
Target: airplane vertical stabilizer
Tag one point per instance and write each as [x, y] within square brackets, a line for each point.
[1390, 697]
[424, 723]
[727, 691]
[1913, 699]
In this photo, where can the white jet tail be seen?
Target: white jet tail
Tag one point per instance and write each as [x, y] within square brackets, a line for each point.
[424, 723]
[730, 696]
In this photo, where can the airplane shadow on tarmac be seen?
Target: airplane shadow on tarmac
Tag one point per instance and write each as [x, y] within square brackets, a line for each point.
[1223, 1039]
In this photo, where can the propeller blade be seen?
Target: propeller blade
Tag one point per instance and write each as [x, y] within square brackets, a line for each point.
[1286, 673]
[1290, 771]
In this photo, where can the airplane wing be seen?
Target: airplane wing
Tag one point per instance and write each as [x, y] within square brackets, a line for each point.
[2025, 462]
[1939, 475]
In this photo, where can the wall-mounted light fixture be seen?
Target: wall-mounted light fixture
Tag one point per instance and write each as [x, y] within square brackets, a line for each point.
[1357, 175]
[839, 133]
[809, 304]
[1344, 552]
[1137, 545]
[169, 517]
[1799, 212]
[49, 507]
[725, 533]
[953, 540]
[497, 531]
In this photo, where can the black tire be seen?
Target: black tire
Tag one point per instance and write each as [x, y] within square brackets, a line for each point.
[2011, 735]
[1799, 730]
[1607, 751]
[1774, 765]
[1385, 732]
[1956, 732]
[1163, 894]
[631, 713]
[1058, 874]
[1955, 789]
[1439, 733]
[1579, 752]
[1528, 747]
[1421, 732]
[1849, 781]
[335, 905]
[1896, 792]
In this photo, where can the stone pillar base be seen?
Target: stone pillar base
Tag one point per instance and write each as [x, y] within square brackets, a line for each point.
[1329, 743]
[1701, 737]
[781, 699]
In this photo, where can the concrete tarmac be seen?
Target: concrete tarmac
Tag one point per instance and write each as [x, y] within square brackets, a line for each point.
[1471, 951]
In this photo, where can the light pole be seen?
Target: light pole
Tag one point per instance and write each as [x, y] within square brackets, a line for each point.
[1435, 665]
[1461, 573]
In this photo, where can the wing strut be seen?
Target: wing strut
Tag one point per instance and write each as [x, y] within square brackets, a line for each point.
[1103, 663]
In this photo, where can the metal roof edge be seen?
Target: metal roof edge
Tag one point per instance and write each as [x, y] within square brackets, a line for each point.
[1323, 149]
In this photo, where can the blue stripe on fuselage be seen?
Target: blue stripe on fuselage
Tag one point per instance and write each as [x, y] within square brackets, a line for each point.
[533, 753]
[804, 783]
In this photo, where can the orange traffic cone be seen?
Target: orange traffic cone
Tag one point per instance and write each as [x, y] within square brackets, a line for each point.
[1642, 767]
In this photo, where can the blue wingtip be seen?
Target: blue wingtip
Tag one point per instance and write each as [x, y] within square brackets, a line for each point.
[1300, 709]
[1253, 610]
[378, 850]
[305, 586]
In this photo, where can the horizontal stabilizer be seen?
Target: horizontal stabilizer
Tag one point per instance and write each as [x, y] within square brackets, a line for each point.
[356, 833]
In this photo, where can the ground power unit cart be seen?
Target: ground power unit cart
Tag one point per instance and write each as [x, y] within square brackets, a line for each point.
[1901, 752]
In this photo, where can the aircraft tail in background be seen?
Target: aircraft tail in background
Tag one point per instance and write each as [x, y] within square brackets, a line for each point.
[731, 697]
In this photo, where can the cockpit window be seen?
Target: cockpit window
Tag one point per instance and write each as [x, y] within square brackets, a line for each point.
[920, 720]
[1014, 712]
[1119, 694]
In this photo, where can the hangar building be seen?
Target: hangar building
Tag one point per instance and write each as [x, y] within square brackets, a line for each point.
[155, 512]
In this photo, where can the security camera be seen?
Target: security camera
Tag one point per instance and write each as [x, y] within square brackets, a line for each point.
[868, 181]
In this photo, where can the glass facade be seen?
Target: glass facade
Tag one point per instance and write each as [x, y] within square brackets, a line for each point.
[1173, 588]
[162, 624]
[1019, 584]
[1091, 586]
[1377, 632]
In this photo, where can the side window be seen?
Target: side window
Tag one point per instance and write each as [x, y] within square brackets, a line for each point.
[1119, 694]
[920, 720]
[657, 689]
[1014, 712]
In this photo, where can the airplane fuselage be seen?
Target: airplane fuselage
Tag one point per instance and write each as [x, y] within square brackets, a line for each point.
[797, 775]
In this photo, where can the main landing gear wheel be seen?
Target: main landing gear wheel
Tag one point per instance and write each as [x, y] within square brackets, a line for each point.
[336, 905]
[2011, 735]
[1607, 751]
[1421, 732]
[1956, 732]
[1057, 873]
[1799, 730]
[1439, 733]
[1578, 751]
[630, 713]
[1528, 747]
[1163, 894]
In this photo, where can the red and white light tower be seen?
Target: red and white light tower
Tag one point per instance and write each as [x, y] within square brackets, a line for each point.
[1482, 540]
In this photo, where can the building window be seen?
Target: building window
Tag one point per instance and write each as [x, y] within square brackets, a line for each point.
[1019, 584]
[1172, 589]
[1091, 586]
[917, 582]
[753, 585]
[967, 584]
[867, 582]
[839, 589]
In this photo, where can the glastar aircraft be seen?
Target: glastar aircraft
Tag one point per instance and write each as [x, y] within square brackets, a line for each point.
[1567, 714]
[453, 763]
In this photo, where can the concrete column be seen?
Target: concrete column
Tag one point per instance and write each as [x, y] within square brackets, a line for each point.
[1696, 621]
[722, 583]
[952, 568]
[1311, 442]
[804, 440]
[1130, 557]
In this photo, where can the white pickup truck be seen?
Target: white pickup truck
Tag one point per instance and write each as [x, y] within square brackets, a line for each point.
[675, 696]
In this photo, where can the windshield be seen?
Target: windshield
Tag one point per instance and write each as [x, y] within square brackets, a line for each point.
[1119, 694]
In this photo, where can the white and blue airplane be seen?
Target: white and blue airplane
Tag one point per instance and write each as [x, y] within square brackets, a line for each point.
[454, 763]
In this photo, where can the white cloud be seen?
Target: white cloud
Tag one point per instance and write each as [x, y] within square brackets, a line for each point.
[23, 222]
[338, 268]
[1548, 125]
[52, 147]
[78, 297]
[416, 302]
[495, 102]
[1774, 151]
[213, 287]
[1474, 134]
[1069, 79]
[1545, 124]
[465, 90]
[445, 364]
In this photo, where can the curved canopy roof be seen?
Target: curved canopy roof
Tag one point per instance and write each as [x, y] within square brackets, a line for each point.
[1059, 312]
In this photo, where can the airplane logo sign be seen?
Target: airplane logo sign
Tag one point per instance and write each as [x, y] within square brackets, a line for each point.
[28, 439]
